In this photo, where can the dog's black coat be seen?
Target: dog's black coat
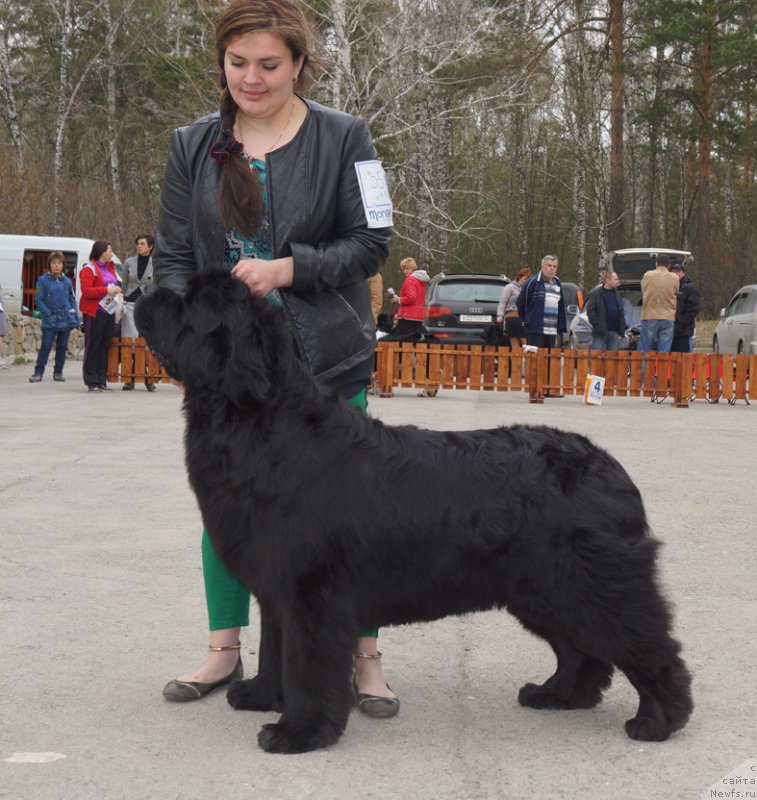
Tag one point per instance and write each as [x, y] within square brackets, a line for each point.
[337, 523]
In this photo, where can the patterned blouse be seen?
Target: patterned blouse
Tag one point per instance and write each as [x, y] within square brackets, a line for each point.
[258, 245]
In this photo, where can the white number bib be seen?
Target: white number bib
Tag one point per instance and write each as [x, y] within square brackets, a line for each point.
[376, 201]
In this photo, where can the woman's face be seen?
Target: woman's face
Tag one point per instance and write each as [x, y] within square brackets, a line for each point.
[260, 73]
[408, 270]
[522, 280]
[106, 255]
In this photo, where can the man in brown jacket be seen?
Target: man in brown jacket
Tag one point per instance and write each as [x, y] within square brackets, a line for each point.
[659, 289]
[376, 285]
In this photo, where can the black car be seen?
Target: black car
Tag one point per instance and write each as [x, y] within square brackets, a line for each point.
[460, 308]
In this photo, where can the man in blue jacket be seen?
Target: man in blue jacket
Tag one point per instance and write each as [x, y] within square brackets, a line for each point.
[542, 306]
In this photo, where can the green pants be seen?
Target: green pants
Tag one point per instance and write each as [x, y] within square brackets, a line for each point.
[227, 600]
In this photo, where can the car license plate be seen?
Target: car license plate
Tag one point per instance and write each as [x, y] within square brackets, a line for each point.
[475, 318]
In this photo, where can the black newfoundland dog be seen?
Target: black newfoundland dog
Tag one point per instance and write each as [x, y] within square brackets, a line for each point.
[338, 523]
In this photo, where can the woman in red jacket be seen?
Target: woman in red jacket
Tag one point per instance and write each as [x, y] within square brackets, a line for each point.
[97, 279]
[412, 300]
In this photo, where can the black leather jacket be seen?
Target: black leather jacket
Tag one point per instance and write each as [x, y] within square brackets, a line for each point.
[317, 217]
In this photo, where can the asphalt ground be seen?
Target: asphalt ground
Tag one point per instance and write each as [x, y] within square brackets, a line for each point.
[102, 604]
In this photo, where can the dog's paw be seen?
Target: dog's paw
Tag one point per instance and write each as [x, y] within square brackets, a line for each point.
[544, 697]
[254, 695]
[283, 737]
[533, 696]
[647, 729]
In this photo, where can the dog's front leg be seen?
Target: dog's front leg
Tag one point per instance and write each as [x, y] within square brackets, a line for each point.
[264, 692]
[317, 661]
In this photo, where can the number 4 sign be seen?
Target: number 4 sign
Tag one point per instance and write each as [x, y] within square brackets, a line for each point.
[376, 201]
[593, 390]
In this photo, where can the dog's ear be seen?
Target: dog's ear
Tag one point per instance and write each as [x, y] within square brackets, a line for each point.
[158, 318]
[249, 359]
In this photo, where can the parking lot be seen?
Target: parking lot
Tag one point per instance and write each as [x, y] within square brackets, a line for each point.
[102, 599]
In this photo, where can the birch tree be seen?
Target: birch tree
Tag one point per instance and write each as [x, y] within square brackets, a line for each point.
[420, 73]
[76, 60]
[616, 222]
[9, 110]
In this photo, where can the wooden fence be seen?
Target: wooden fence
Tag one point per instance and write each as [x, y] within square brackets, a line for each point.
[131, 361]
[682, 377]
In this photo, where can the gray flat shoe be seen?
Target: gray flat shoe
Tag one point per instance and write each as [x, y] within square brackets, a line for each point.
[183, 691]
[369, 704]
[376, 707]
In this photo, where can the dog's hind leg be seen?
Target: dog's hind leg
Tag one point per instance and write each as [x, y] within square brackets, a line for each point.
[265, 691]
[636, 638]
[578, 682]
[664, 686]
[317, 663]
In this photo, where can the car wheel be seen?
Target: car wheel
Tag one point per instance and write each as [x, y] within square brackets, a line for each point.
[715, 345]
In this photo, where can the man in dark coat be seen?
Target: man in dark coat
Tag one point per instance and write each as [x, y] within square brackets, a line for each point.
[687, 308]
[605, 312]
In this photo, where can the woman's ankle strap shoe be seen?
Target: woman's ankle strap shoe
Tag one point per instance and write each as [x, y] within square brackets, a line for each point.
[376, 707]
[182, 691]
[372, 705]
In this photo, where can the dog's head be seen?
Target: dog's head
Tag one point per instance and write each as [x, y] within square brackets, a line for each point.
[215, 337]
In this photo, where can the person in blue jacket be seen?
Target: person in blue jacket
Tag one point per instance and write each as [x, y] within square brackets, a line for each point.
[56, 300]
[541, 306]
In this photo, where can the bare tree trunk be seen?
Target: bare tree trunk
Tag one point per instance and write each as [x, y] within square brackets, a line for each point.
[747, 136]
[682, 223]
[9, 111]
[67, 93]
[654, 139]
[63, 111]
[519, 155]
[580, 93]
[579, 205]
[704, 170]
[442, 178]
[616, 226]
[113, 160]
[342, 56]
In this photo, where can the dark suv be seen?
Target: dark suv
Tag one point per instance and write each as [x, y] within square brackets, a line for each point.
[459, 308]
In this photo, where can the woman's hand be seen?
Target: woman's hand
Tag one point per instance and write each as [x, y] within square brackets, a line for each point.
[113, 290]
[262, 277]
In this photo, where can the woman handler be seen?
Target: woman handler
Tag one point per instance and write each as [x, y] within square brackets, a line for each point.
[271, 186]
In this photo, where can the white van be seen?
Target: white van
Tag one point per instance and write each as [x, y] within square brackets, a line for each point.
[24, 258]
